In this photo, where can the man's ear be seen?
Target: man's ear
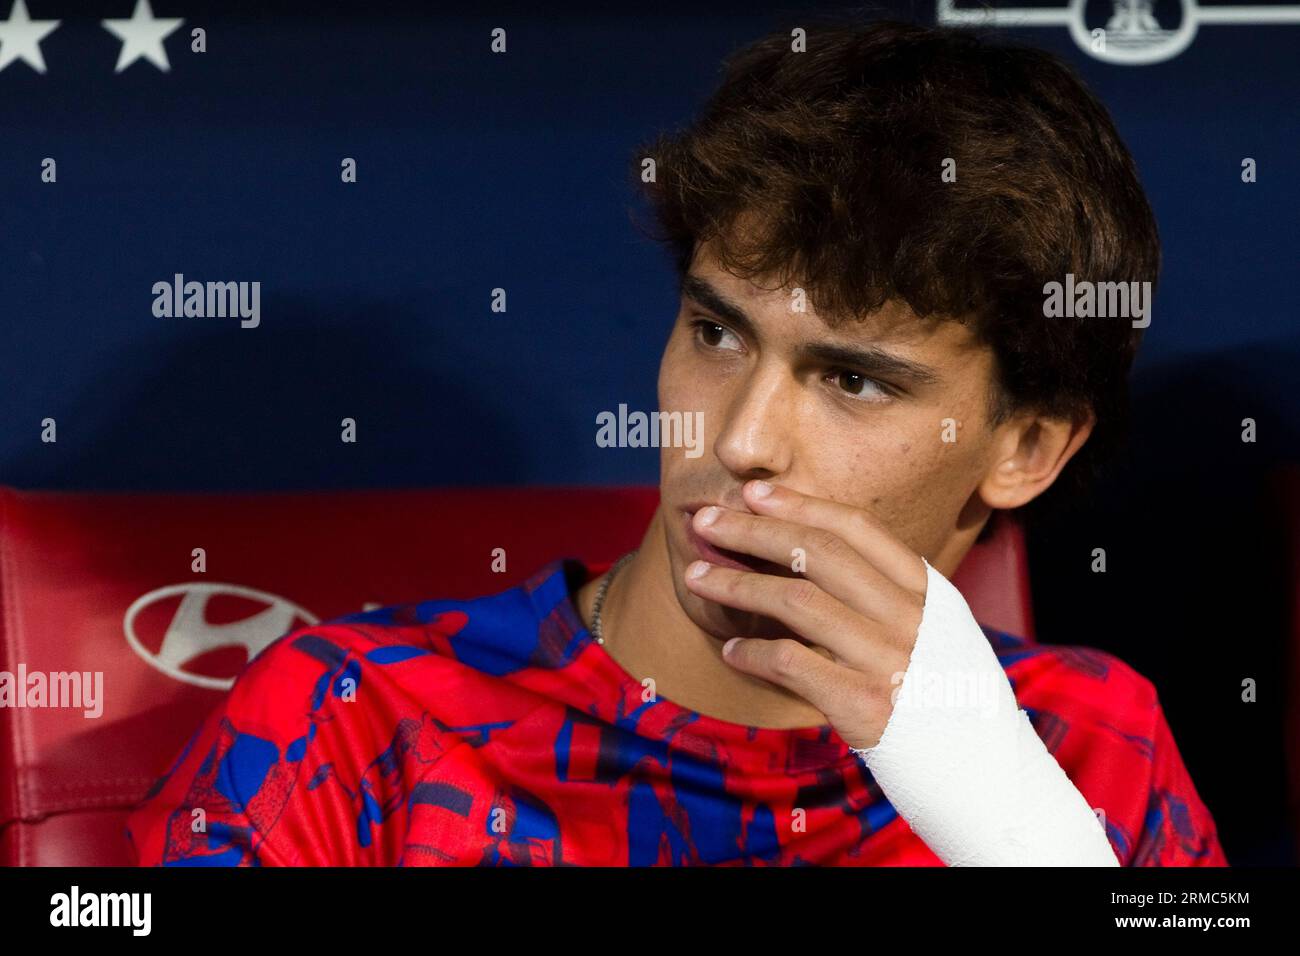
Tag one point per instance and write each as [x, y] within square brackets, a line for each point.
[1029, 452]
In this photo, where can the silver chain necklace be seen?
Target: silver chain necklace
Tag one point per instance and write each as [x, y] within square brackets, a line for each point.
[600, 596]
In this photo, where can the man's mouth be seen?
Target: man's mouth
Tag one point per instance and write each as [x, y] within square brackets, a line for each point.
[730, 559]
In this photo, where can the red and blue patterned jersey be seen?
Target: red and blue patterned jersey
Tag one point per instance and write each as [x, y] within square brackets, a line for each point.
[497, 732]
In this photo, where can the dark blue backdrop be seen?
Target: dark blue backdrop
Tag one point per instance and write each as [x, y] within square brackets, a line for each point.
[478, 171]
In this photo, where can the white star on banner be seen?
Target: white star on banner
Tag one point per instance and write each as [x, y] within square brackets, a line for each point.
[21, 36]
[142, 36]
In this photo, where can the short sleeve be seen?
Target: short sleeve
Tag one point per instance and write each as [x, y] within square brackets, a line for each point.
[254, 787]
[1177, 829]
[1103, 722]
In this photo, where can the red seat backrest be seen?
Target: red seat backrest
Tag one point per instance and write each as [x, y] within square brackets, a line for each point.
[106, 582]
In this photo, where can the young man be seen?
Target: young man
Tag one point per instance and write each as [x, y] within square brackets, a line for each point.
[864, 231]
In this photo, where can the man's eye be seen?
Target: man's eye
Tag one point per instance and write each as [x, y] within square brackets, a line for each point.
[713, 334]
[860, 386]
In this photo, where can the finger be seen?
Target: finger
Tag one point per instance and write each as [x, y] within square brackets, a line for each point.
[829, 560]
[864, 532]
[847, 698]
[797, 603]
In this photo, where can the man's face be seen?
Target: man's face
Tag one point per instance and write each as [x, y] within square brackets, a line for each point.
[855, 415]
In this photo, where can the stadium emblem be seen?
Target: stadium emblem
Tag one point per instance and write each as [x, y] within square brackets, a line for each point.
[187, 634]
[1132, 36]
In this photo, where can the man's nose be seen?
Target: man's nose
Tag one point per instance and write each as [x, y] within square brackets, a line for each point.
[756, 439]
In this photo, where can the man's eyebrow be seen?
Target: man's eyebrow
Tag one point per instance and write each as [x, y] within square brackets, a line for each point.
[693, 287]
[870, 360]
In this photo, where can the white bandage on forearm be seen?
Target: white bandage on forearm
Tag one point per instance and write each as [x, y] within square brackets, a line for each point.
[961, 762]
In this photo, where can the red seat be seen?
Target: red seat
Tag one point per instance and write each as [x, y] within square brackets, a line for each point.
[105, 582]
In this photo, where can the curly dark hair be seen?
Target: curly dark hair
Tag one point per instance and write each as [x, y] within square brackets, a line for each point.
[830, 160]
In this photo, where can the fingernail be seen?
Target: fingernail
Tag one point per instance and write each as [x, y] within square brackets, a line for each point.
[760, 489]
[706, 516]
[697, 569]
[726, 648]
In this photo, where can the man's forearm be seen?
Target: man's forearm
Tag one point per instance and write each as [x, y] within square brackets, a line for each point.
[962, 764]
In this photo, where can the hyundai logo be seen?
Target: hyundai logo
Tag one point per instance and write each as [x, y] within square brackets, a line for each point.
[188, 634]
